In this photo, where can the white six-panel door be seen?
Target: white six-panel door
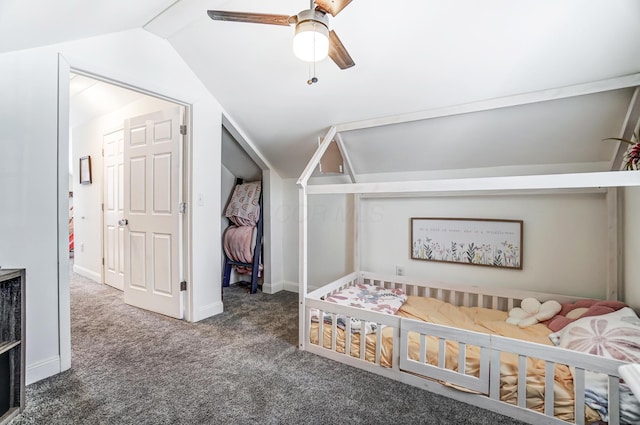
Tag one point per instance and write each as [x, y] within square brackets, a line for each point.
[152, 182]
[113, 202]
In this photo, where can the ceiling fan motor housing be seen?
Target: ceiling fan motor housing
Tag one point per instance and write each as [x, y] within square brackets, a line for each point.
[311, 42]
[313, 15]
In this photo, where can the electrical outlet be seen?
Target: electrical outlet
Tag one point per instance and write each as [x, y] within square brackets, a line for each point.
[399, 270]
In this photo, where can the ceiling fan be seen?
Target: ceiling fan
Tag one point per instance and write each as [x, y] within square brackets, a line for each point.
[312, 41]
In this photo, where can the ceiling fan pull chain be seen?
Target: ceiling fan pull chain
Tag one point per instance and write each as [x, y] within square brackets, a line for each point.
[313, 79]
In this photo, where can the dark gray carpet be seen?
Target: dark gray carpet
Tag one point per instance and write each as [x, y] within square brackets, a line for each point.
[130, 366]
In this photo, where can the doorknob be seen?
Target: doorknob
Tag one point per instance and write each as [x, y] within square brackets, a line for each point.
[123, 222]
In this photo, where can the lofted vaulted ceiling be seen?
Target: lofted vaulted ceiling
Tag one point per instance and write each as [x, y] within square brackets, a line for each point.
[410, 56]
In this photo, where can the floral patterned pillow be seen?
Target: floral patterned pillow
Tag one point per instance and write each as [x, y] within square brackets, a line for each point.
[614, 335]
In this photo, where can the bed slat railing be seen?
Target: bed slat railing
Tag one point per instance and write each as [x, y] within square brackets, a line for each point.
[578, 384]
[522, 380]
[614, 400]
[348, 280]
[444, 334]
[365, 317]
[334, 331]
[492, 347]
[549, 374]
[553, 356]
[442, 353]
[347, 347]
[363, 340]
[494, 375]
[474, 298]
[378, 344]
[498, 298]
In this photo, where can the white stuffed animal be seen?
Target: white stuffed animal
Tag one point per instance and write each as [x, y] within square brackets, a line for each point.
[531, 312]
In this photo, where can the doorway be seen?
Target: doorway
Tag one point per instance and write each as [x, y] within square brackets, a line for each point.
[236, 164]
[128, 228]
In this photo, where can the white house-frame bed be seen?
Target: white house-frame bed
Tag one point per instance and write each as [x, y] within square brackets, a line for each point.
[484, 388]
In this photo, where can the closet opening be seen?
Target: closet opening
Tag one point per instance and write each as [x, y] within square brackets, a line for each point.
[244, 192]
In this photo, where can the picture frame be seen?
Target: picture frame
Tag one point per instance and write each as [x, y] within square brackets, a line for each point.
[471, 241]
[85, 169]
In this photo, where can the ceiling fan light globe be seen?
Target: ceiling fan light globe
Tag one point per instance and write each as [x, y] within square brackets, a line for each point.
[311, 42]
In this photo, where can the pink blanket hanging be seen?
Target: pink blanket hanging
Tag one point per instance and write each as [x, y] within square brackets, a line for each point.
[238, 245]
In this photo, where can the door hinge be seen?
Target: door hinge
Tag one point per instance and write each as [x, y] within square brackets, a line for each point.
[103, 261]
[183, 285]
[102, 206]
[183, 129]
[182, 208]
[103, 152]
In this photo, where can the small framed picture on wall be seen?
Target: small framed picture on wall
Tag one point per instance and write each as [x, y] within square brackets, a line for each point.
[85, 170]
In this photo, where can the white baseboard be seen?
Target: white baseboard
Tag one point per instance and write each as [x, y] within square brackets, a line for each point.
[208, 311]
[89, 274]
[272, 288]
[294, 287]
[290, 286]
[42, 369]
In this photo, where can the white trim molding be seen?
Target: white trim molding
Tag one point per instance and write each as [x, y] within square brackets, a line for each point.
[89, 274]
[207, 311]
[42, 369]
[272, 288]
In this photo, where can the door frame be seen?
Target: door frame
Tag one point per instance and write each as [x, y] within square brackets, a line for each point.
[65, 68]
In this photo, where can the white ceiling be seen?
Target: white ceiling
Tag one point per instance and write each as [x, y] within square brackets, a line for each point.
[410, 56]
[25, 24]
[90, 98]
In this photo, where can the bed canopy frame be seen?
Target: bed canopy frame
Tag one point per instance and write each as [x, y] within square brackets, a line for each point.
[606, 182]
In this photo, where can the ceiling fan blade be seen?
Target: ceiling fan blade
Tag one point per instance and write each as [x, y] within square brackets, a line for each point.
[252, 18]
[338, 53]
[333, 7]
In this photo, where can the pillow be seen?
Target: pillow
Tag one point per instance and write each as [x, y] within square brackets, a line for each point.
[531, 312]
[582, 308]
[616, 336]
[576, 313]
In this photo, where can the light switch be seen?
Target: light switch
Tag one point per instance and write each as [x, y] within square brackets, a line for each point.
[200, 199]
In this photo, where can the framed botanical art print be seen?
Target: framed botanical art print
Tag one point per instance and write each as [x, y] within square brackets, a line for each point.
[481, 242]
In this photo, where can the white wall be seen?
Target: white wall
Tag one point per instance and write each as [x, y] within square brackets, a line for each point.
[274, 234]
[631, 246]
[228, 181]
[28, 211]
[29, 173]
[564, 240]
[330, 232]
[288, 216]
[88, 140]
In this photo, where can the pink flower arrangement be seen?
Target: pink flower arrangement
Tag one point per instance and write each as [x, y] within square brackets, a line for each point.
[632, 157]
[632, 154]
